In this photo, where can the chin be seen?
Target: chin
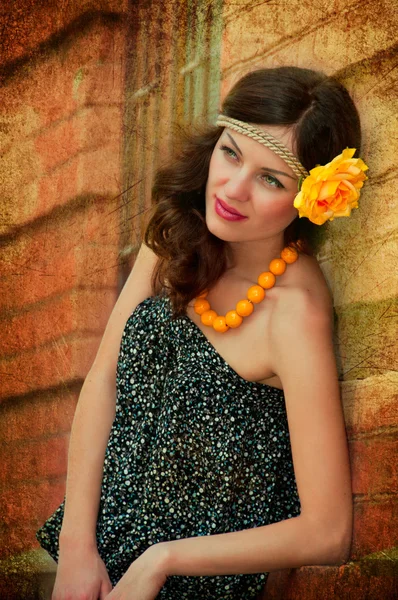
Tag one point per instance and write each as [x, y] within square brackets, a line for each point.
[222, 231]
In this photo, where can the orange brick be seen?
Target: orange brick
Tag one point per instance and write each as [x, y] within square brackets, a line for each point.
[18, 538]
[101, 222]
[57, 188]
[375, 526]
[102, 84]
[25, 508]
[20, 210]
[87, 129]
[99, 125]
[64, 274]
[44, 323]
[32, 282]
[61, 232]
[20, 165]
[100, 171]
[352, 581]
[35, 417]
[32, 501]
[57, 144]
[56, 259]
[33, 459]
[374, 465]
[294, 584]
[54, 87]
[43, 90]
[19, 168]
[382, 587]
[79, 310]
[93, 308]
[61, 363]
[93, 172]
[97, 266]
[34, 23]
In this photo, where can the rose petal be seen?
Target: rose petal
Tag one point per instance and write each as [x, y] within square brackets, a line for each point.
[328, 189]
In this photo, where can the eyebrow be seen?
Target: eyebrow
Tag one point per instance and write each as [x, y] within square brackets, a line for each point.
[262, 168]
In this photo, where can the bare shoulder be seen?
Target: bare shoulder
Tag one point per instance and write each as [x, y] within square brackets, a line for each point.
[305, 287]
[301, 320]
[303, 298]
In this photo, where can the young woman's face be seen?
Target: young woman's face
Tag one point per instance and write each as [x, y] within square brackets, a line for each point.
[249, 179]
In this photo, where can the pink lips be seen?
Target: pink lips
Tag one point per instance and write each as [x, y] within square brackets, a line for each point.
[227, 212]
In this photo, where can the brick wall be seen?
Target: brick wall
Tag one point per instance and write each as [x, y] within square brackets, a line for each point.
[87, 104]
[61, 125]
[356, 41]
[90, 93]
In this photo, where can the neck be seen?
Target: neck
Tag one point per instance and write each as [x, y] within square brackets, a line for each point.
[249, 259]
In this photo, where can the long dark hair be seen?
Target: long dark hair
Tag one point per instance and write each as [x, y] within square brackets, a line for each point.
[324, 121]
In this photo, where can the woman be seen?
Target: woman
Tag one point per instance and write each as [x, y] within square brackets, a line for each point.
[223, 455]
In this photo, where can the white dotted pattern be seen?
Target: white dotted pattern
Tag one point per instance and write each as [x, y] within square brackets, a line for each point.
[194, 450]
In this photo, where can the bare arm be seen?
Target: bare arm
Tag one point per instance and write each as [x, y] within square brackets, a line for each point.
[95, 413]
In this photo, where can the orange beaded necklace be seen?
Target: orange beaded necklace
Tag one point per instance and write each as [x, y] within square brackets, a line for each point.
[255, 294]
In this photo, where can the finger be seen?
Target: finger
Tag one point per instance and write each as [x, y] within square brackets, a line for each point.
[106, 588]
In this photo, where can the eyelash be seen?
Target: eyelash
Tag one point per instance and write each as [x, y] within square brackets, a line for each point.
[227, 151]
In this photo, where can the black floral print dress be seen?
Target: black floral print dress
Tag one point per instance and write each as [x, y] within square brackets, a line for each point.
[194, 450]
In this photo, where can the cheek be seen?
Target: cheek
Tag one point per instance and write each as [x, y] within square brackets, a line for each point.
[215, 175]
[212, 169]
[218, 168]
[278, 209]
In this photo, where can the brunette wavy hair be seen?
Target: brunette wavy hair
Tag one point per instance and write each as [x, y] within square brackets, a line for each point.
[324, 121]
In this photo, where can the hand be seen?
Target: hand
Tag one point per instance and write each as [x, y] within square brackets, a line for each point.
[145, 577]
[81, 575]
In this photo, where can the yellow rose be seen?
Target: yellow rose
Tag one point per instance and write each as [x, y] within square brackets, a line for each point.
[332, 190]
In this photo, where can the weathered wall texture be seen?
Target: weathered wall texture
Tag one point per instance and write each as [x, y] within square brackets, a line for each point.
[61, 123]
[91, 90]
[356, 41]
[173, 78]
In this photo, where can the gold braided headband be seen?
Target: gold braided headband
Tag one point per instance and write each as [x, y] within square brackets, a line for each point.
[267, 140]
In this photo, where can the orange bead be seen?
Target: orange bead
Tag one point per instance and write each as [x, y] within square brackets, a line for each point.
[244, 308]
[208, 317]
[266, 280]
[201, 305]
[220, 325]
[277, 266]
[233, 319]
[289, 255]
[256, 294]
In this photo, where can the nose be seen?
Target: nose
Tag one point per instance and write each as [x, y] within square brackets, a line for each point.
[237, 188]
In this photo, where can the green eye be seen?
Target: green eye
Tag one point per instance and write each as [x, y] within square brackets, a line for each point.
[269, 179]
[228, 151]
[272, 181]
